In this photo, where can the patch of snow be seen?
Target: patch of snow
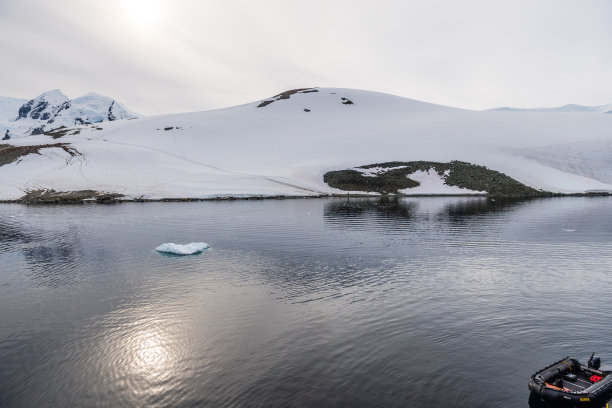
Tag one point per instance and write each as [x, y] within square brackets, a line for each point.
[186, 249]
[375, 171]
[433, 183]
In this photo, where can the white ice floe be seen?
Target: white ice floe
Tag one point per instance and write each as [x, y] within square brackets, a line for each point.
[178, 249]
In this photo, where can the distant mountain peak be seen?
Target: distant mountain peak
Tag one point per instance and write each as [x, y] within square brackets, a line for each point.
[92, 94]
[565, 108]
[45, 107]
[53, 109]
[53, 96]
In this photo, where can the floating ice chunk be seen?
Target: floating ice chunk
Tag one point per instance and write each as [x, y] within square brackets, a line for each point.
[187, 249]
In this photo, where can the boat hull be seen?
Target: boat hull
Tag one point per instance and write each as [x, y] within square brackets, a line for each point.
[553, 383]
[568, 381]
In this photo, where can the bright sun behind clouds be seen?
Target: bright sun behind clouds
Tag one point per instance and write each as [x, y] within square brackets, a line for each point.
[143, 13]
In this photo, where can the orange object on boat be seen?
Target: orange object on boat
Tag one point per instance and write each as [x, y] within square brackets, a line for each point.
[595, 378]
[556, 388]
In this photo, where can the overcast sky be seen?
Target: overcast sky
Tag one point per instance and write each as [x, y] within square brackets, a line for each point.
[163, 56]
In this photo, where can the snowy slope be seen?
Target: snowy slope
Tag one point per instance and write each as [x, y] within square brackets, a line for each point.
[285, 145]
[591, 159]
[53, 109]
[9, 108]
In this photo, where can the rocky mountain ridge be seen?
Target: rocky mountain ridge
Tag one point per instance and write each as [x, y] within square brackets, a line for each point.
[52, 110]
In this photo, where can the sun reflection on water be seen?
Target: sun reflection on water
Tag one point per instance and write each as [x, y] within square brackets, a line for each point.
[150, 354]
[145, 356]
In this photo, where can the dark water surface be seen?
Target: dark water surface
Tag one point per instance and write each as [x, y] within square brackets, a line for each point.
[430, 302]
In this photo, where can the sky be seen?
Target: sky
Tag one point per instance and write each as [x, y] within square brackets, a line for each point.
[167, 56]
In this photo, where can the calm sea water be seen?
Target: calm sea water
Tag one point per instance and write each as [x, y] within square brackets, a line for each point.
[429, 302]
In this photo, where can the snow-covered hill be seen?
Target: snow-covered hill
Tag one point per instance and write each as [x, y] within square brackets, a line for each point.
[564, 108]
[285, 144]
[53, 109]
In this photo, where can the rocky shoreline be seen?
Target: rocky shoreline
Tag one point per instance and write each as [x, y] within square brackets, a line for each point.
[46, 197]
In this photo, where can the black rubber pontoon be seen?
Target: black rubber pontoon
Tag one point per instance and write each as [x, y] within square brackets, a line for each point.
[571, 382]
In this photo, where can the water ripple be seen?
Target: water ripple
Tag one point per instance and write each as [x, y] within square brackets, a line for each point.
[360, 302]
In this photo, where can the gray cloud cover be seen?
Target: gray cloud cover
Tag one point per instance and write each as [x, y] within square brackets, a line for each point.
[209, 54]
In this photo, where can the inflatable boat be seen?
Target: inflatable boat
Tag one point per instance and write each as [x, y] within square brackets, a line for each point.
[569, 381]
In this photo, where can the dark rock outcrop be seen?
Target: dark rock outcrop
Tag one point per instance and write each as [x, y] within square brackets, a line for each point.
[111, 116]
[68, 197]
[394, 176]
[286, 95]
[10, 153]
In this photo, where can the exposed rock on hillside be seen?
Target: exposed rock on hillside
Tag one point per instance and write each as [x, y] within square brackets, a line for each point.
[10, 153]
[394, 177]
[285, 95]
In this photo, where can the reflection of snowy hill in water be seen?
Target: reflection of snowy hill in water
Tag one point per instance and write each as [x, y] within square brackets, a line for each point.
[395, 215]
[285, 146]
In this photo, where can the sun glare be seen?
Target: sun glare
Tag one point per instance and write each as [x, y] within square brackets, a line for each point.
[143, 13]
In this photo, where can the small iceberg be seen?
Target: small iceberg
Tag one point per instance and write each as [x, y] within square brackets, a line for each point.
[178, 249]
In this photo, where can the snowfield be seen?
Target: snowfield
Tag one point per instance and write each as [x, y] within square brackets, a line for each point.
[285, 146]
